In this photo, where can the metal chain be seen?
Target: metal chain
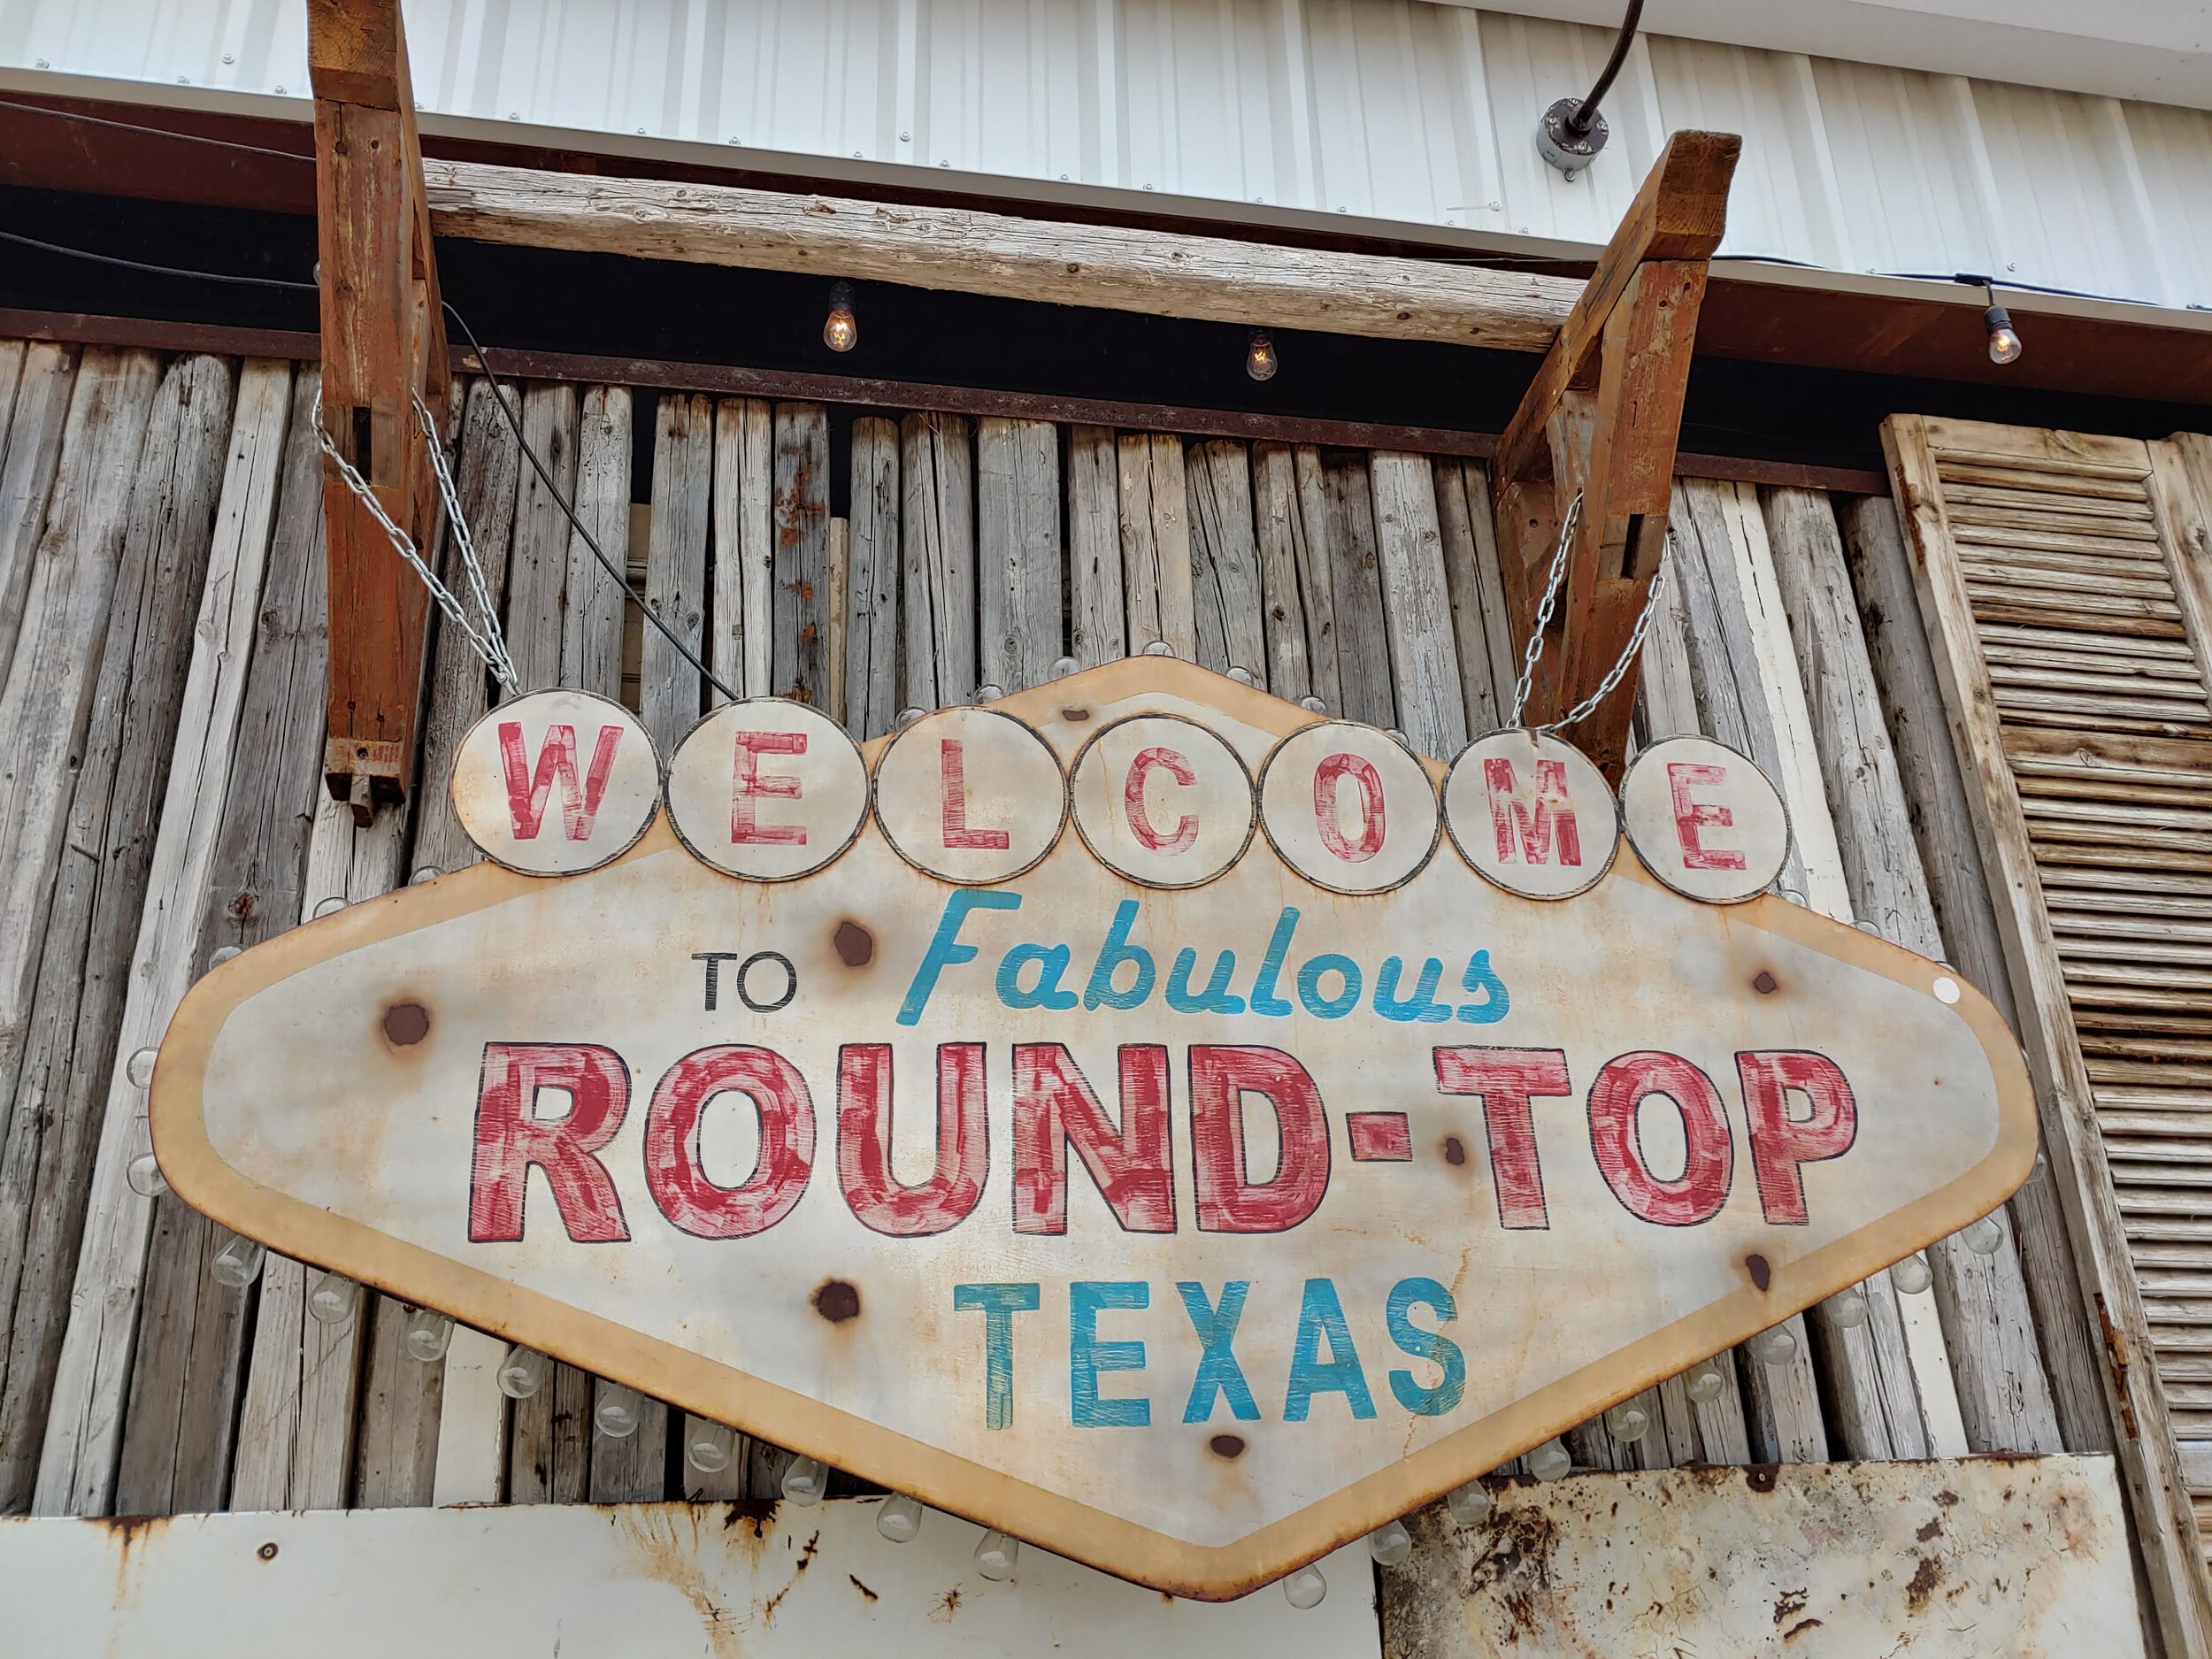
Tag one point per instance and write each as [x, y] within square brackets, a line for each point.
[486, 643]
[1613, 675]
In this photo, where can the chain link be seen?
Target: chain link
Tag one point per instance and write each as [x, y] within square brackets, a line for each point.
[487, 641]
[1535, 650]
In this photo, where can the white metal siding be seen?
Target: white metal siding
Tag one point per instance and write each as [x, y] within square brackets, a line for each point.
[1396, 112]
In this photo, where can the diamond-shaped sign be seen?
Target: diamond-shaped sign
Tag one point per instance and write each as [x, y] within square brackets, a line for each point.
[1188, 1219]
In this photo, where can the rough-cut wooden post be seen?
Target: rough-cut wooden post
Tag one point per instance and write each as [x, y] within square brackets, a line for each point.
[1431, 702]
[871, 580]
[38, 395]
[1224, 557]
[744, 556]
[937, 603]
[383, 334]
[1098, 619]
[1019, 563]
[1155, 543]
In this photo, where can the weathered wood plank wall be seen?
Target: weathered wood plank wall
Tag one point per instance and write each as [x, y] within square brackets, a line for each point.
[976, 555]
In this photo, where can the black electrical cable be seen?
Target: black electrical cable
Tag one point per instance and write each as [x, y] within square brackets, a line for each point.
[157, 270]
[1586, 112]
[157, 132]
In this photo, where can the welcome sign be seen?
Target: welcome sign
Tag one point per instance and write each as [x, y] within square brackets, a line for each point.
[1138, 1115]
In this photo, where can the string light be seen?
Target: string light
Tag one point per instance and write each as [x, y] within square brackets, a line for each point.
[1911, 1275]
[1260, 361]
[1627, 1421]
[2004, 341]
[711, 1447]
[1775, 1346]
[1305, 1587]
[1705, 1384]
[899, 1519]
[619, 1411]
[995, 1555]
[1467, 1505]
[1390, 1544]
[521, 1373]
[1847, 1308]
[1984, 1236]
[140, 1068]
[840, 330]
[333, 1299]
[428, 1334]
[1550, 1461]
[237, 1263]
[804, 1480]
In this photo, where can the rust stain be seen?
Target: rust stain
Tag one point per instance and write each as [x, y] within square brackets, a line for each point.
[2115, 1348]
[407, 1024]
[129, 1529]
[1076, 713]
[1933, 1529]
[1760, 1270]
[1455, 1151]
[1797, 1629]
[268, 1551]
[1230, 1446]
[944, 1606]
[863, 1589]
[837, 1299]
[856, 945]
[1789, 1604]
[1925, 1576]
[1761, 1477]
[1765, 984]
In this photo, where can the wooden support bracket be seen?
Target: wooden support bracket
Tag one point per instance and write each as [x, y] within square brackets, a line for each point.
[383, 334]
[1602, 418]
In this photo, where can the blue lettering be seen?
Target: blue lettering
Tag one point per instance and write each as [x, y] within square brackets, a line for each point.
[1480, 979]
[1264, 998]
[1100, 993]
[1422, 1005]
[1322, 1316]
[1215, 999]
[1344, 1001]
[945, 950]
[1088, 1355]
[1438, 1349]
[1052, 964]
[1218, 1372]
[998, 1303]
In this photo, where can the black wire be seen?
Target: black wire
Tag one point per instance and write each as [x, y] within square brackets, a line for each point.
[159, 270]
[1586, 113]
[158, 131]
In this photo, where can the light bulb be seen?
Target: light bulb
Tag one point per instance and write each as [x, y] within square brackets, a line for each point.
[1159, 647]
[1242, 676]
[236, 1264]
[1397, 737]
[988, 694]
[1846, 1308]
[1260, 361]
[328, 907]
[1984, 1236]
[841, 331]
[995, 1555]
[1627, 1421]
[1313, 705]
[2004, 344]
[140, 1067]
[1775, 1345]
[521, 1373]
[619, 1411]
[429, 1334]
[221, 955]
[1305, 1587]
[1911, 1275]
[1706, 1384]
[899, 1519]
[1550, 1461]
[804, 1480]
[1063, 666]
[332, 1299]
[428, 872]
[711, 1446]
[1390, 1543]
[907, 716]
[144, 1176]
[1468, 1505]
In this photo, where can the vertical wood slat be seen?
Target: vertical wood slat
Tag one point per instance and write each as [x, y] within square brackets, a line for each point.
[937, 583]
[800, 623]
[1345, 505]
[537, 582]
[39, 399]
[1489, 662]
[1316, 585]
[670, 688]
[740, 650]
[1417, 603]
[1156, 566]
[1224, 557]
[1098, 618]
[872, 566]
[1966, 920]
[1987, 1327]
[1281, 529]
[1019, 561]
[591, 638]
[548, 1444]
[833, 618]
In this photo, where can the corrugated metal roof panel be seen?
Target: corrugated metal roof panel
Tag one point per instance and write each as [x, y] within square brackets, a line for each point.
[1397, 113]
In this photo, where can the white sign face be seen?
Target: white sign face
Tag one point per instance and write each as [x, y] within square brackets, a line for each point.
[1189, 1232]
[1705, 820]
[1348, 806]
[767, 789]
[1163, 800]
[970, 795]
[555, 783]
[1532, 814]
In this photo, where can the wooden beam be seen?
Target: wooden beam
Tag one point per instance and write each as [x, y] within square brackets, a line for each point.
[383, 347]
[1163, 273]
[1601, 420]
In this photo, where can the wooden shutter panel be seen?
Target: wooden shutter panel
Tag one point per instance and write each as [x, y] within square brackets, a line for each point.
[2065, 583]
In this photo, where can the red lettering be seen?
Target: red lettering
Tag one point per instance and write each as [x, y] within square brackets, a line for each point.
[748, 784]
[1780, 1143]
[878, 1199]
[527, 791]
[1532, 832]
[1055, 1109]
[672, 1171]
[1620, 1090]
[1506, 1078]
[1220, 1077]
[511, 1137]
[1178, 767]
[1326, 776]
[952, 765]
[1691, 817]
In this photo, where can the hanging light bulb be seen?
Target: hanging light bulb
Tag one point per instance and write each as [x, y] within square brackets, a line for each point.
[1468, 1505]
[332, 1299]
[143, 1173]
[428, 1334]
[2004, 342]
[804, 1480]
[1062, 667]
[1911, 1275]
[1550, 1461]
[221, 954]
[1628, 1421]
[1305, 1588]
[328, 907]
[899, 1519]
[907, 716]
[1313, 705]
[840, 332]
[237, 1263]
[140, 1067]
[710, 1445]
[521, 1373]
[1390, 1544]
[1159, 647]
[1260, 361]
[995, 1555]
[428, 872]
[1242, 676]
[619, 1412]
[988, 694]
[1847, 1308]
[1775, 1345]
[1705, 1384]
[1984, 1236]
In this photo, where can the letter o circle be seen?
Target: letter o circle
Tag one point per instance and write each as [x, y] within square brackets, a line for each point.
[1163, 801]
[1347, 807]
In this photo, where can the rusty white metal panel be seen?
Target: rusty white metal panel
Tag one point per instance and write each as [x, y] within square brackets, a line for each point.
[671, 1580]
[1975, 1558]
[1390, 114]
